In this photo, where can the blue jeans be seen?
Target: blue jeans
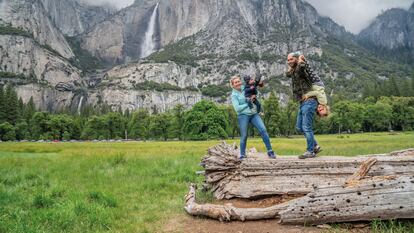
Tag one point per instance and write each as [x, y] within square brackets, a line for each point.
[257, 122]
[304, 122]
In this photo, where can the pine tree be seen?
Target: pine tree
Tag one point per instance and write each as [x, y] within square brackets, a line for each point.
[178, 113]
[412, 84]
[2, 105]
[273, 116]
[395, 91]
[21, 108]
[29, 110]
[12, 108]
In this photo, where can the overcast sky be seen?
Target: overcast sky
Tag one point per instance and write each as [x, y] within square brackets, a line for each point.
[117, 3]
[353, 14]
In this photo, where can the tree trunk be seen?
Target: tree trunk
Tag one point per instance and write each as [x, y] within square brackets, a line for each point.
[259, 176]
[337, 189]
[371, 198]
[374, 198]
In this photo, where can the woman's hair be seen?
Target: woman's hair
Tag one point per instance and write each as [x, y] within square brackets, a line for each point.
[295, 54]
[232, 80]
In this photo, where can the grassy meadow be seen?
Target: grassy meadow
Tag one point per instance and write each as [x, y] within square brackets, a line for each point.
[129, 186]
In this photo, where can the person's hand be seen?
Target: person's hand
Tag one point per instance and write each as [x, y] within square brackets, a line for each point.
[261, 83]
[302, 58]
[253, 98]
[304, 97]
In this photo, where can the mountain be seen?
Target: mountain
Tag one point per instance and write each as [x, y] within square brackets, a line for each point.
[157, 54]
[202, 44]
[391, 34]
[72, 17]
[119, 38]
[35, 55]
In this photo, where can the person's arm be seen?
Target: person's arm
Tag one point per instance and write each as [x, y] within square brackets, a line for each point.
[302, 68]
[311, 94]
[236, 104]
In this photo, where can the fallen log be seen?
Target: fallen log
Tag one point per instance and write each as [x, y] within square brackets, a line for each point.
[228, 212]
[372, 198]
[259, 176]
[383, 198]
[337, 189]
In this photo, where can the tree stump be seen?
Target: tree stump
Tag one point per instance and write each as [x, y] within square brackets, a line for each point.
[337, 189]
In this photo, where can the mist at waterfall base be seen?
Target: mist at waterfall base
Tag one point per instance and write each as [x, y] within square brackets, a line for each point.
[149, 44]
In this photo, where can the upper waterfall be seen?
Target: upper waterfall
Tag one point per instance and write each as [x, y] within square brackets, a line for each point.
[149, 44]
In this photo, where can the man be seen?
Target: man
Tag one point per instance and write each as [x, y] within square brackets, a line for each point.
[302, 79]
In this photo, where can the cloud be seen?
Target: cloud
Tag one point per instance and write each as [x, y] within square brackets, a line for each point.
[117, 3]
[356, 15]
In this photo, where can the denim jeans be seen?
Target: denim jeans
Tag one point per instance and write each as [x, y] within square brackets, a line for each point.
[257, 122]
[304, 122]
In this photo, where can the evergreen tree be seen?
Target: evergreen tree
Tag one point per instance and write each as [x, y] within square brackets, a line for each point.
[21, 108]
[11, 108]
[205, 121]
[178, 113]
[161, 126]
[233, 125]
[288, 119]
[412, 84]
[7, 132]
[2, 105]
[116, 125]
[39, 125]
[22, 130]
[273, 116]
[29, 110]
[139, 124]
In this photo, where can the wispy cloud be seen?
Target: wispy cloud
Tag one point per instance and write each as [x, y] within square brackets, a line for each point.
[355, 15]
[117, 3]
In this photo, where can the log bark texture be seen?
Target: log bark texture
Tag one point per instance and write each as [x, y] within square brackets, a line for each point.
[372, 198]
[259, 176]
[228, 212]
[338, 189]
[384, 198]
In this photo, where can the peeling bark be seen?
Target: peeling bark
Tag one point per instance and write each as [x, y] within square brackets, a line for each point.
[370, 199]
[338, 189]
[259, 176]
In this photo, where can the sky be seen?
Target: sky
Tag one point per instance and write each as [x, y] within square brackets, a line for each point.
[118, 3]
[354, 15]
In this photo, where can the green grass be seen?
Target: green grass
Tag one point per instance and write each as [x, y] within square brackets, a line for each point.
[128, 187]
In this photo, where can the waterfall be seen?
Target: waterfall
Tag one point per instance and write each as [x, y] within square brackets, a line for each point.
[80, 105]
[148, 46]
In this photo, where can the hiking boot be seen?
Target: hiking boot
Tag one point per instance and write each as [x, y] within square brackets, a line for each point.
[317, 149]
[307, 155]
[271, 154]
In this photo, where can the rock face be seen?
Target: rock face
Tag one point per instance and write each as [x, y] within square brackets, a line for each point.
[393, 30]
[22, 55]
[154, 101]
[221, 24]
[32, 17]
[198, 42]
[40, 56]
[221, 36]
[72, 17]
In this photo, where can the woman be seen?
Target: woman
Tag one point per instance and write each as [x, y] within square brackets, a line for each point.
[246, 115]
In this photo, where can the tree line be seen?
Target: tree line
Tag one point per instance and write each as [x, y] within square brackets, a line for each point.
[205, 120]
